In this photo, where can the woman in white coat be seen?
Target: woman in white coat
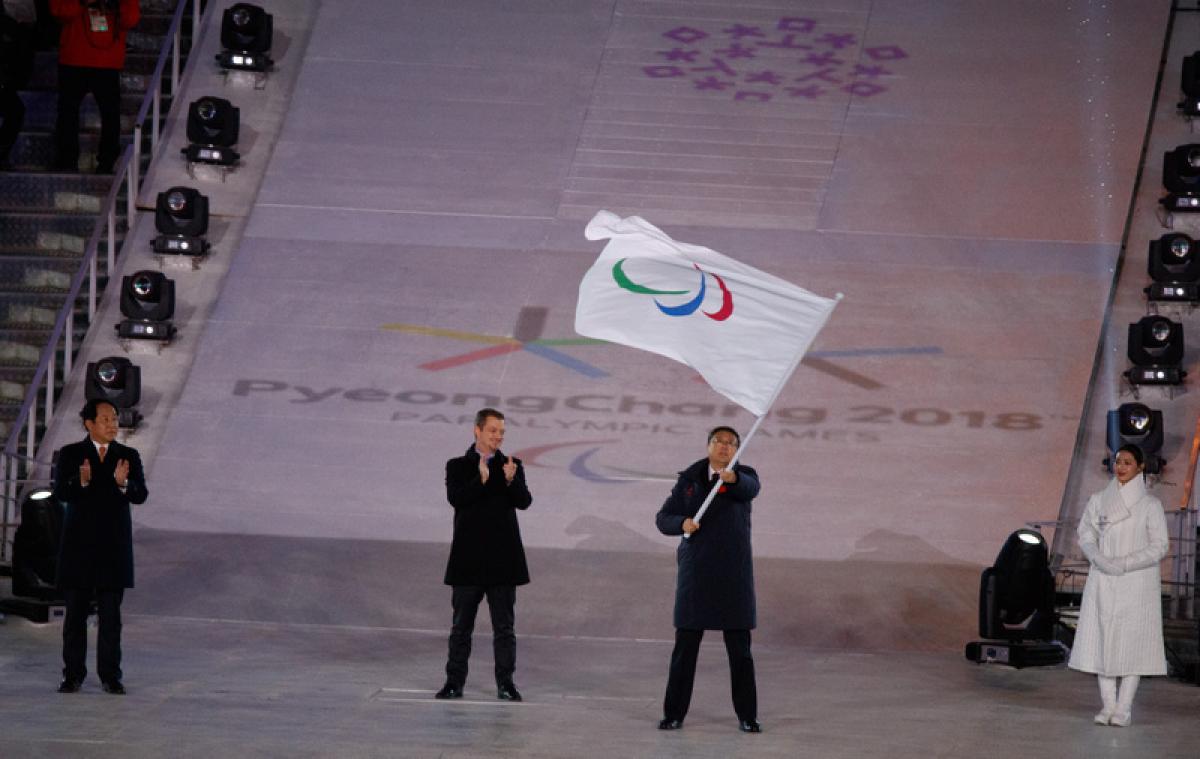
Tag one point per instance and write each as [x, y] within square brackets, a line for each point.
[1123, 534]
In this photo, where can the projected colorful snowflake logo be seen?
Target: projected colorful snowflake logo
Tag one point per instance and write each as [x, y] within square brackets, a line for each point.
[794, 59]
[531, 322]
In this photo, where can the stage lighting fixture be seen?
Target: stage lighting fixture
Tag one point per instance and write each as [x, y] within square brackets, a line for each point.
[117, 380]
[1174, 265]
[1190, 83]
[1138, 424]
[1016, 606]
[35, 546]
[1181, 178]
[1156, 350]
[246, 38]
[212, 130]
[148, 302]
[181, 219]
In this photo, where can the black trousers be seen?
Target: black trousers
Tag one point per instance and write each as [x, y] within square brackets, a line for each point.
[683, 673]
[108, 641]
[74, 82]
[12, 114]
[465, 599]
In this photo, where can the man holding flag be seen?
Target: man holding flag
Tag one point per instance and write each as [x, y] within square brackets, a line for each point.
[745, 331]
[714, 589]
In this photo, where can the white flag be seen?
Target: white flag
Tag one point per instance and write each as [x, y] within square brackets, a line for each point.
[742, 329]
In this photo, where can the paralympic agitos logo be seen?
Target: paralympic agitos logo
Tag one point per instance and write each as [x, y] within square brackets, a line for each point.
[686, 308]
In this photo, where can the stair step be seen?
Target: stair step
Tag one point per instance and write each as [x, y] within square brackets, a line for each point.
[41, 255]
[58, 193]
[25, 316]
[35, 151]
[36, 335]
[19, 364]
[41, 107]
[50, 231]
[36, 275]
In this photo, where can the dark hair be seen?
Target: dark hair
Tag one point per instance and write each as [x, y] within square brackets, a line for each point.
[482, 415]
[736, 437]
[88, 414]
[1134, 451]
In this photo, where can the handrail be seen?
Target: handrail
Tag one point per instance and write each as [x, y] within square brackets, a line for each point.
[1181, 552]
[126, 174]
[153, 98]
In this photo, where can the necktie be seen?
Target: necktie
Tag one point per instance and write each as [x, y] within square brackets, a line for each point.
[103, 450]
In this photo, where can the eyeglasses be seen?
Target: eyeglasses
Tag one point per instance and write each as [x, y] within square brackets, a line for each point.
[724, 441]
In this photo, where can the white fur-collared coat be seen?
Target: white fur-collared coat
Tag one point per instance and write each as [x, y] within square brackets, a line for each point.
[1123, 533]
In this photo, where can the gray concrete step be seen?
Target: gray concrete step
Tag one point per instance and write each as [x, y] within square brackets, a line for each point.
[48, 231]
[35, 275]
[53, 193]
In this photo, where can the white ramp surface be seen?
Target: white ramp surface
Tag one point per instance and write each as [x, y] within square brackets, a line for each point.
[960, 170]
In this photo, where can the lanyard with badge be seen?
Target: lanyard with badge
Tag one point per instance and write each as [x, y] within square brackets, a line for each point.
[100, 17]
[97, 19]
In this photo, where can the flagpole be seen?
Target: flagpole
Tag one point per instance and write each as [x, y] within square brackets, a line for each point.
[774, 396]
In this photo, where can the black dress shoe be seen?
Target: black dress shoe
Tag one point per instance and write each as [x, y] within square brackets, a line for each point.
[750, 726]
[670, 724]
[69, 686]
[449, 690]
[114, 687]
[507, 692]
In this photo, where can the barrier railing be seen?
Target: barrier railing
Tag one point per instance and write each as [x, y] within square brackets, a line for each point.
[18, 459]
[1178, 585]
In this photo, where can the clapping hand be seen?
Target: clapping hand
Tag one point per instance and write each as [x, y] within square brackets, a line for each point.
[483, 471]
[510, 469]
[121, 473]
[85, 472]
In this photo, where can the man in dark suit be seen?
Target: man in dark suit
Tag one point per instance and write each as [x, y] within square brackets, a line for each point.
[487, 559]
[96, 480]
[715, 585]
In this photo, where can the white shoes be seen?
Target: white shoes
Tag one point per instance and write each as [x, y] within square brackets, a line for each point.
[1115, 718]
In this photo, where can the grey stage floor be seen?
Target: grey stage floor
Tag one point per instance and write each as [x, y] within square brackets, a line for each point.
[211, 688]
[251, 646]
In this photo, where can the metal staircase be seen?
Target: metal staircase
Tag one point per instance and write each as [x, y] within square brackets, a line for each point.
[47, 218]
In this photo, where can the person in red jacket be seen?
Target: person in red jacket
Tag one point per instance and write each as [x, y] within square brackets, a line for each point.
[91, 54]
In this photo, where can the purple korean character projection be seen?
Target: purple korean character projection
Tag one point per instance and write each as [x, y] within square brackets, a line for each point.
[794, 59]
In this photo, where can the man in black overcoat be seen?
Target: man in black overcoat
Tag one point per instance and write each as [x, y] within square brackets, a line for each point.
[487, 558]
[96, 480]
[715, 585]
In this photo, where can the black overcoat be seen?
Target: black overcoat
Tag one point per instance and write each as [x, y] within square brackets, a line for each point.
[715, 585]
[486, 548]
[16, 51]
[96, 550]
